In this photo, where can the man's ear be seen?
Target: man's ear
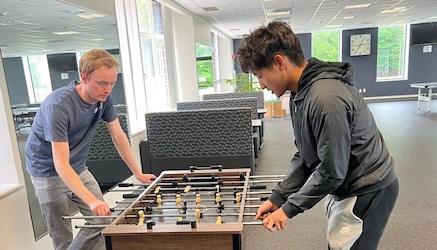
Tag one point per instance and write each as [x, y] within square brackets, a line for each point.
[280, 61]
[83, 77]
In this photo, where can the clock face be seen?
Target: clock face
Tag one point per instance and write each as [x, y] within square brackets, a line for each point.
[360, 45]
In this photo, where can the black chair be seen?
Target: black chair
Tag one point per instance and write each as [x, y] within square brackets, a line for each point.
[103, 159]
[250, 102]
[180, 139]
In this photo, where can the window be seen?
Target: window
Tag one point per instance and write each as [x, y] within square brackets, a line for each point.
[205, 72]
[153, 55]
[391, 53]
[326, 45]
[38, 80]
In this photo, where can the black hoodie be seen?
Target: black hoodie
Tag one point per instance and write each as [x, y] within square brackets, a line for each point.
[340, 149]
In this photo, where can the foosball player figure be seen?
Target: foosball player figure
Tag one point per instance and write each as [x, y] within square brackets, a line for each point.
[184, 208]
[238, 198]
[242, 177]
[157, 190]
[158, 200]
[149, 208]
[198, 214]
[187, 189]
[178, 199]
[219, 220]
[220, 207]
[185, 178]
[198, 199]
[218, 188]
[140, 217]
[213, 177]
[218, 198]
[150, 224]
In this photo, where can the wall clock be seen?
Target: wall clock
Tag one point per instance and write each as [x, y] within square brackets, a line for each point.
[360, 45]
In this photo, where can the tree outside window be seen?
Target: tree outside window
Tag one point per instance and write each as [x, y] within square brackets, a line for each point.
[205, 70]
[326, 45]
[391, 53]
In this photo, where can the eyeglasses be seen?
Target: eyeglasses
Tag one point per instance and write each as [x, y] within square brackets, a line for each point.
[106, 84]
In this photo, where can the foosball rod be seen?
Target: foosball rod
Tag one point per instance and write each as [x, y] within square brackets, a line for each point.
[188, 207]
[130, 196]
[193, 184]
[104, 226]
[152, 216]
[191, 189]
[192, 200]
[215, 182]
[241, 177]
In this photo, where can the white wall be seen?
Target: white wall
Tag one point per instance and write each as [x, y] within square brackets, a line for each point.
[226, 68]
[16, 225]
[185, 57]
[202, 32]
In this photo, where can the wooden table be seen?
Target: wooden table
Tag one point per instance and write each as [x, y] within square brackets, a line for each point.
[125, 233]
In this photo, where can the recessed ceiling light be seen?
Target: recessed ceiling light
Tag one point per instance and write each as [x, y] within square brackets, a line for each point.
[89, 15]
[357, 6]
[348, 17]
[210, 9]
[62, 33]
[394, 10]
[278, 13]
[333, 26]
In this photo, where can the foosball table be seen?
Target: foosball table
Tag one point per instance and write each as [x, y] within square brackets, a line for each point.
[192, 209]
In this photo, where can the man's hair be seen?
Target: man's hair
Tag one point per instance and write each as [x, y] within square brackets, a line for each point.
[95, 59]
[258, 49]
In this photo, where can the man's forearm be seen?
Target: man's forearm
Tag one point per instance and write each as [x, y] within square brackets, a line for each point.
[73, 181]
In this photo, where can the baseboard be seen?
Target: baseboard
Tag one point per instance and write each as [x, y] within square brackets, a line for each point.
[391, 98]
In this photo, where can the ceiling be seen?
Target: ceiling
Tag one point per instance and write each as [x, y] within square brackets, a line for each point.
[27, 26]
[237, 17]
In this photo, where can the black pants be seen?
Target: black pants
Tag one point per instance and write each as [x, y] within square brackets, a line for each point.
[374, 209]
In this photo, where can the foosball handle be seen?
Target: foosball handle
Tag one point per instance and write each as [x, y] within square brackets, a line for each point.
[128, 196]
[125, 184]
[219, 167]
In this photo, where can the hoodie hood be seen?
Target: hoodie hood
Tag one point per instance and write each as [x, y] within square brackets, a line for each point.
[317, 70]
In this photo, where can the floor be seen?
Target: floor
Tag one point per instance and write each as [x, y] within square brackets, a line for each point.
[411, 136]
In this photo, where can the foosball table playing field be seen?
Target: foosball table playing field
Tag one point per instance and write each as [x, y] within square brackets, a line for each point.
[194, 209]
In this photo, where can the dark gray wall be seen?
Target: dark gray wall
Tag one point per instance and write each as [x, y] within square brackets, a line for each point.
[421, 66]
[305, 42]
[15, 79]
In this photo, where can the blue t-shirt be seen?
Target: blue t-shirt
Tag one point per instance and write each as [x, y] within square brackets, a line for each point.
[64, 117]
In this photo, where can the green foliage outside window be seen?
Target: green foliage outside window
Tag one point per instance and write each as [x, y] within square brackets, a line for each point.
[244, 82]
[326, 45]
[391, 52]
[204, 66]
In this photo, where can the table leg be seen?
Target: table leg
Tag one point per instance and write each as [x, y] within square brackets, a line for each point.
[429, 99]
[419, 94]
